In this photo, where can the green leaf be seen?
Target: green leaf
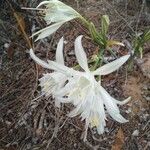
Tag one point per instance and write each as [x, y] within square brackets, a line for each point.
[105, 24]
[141, 52]
[147, 36]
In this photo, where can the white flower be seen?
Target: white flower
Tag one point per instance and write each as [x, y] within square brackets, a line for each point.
[51, 82]
[58, 13]
[85, 93]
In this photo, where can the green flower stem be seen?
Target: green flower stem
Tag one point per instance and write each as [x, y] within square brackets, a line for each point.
[99, 61]
[96, 64]
[111, 52]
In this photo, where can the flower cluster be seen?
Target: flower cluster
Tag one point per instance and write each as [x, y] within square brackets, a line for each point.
[90, 99]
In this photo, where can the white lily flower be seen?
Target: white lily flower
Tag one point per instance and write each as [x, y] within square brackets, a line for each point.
[58, 13]
[87, 94]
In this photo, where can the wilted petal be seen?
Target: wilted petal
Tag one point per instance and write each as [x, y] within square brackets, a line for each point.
[80, 54]
[59, 52]
[110, 67]
[59, 6]
[57, 17]
[58, 13]
[48, 30]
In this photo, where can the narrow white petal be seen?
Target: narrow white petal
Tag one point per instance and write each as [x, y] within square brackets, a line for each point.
[122, 102]
[85, 114]
[99, 108]
[48, 30]
[86, 109]
[43, 3]
[87, 122]
[80, 53]
[119, 118]
[110, 67]
[100, 128]
[61, 68]
[39, 61]
[52, 65]
[87, 106]
[111, 106]
[59, 52]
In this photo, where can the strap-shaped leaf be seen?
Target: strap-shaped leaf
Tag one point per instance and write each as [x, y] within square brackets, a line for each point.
[105, 24]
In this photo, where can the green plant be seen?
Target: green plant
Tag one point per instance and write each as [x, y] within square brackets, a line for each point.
[139, 41]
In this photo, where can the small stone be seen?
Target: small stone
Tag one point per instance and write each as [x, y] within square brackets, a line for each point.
[72, 131]
[135, 133]
[128, 111]
[29, 146]
[6, 45]
[71, 53]
[65, 42]
[75, 145]
[8, 123]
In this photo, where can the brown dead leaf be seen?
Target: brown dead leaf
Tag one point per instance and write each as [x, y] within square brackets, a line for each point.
[119, 140]
[21, 23]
